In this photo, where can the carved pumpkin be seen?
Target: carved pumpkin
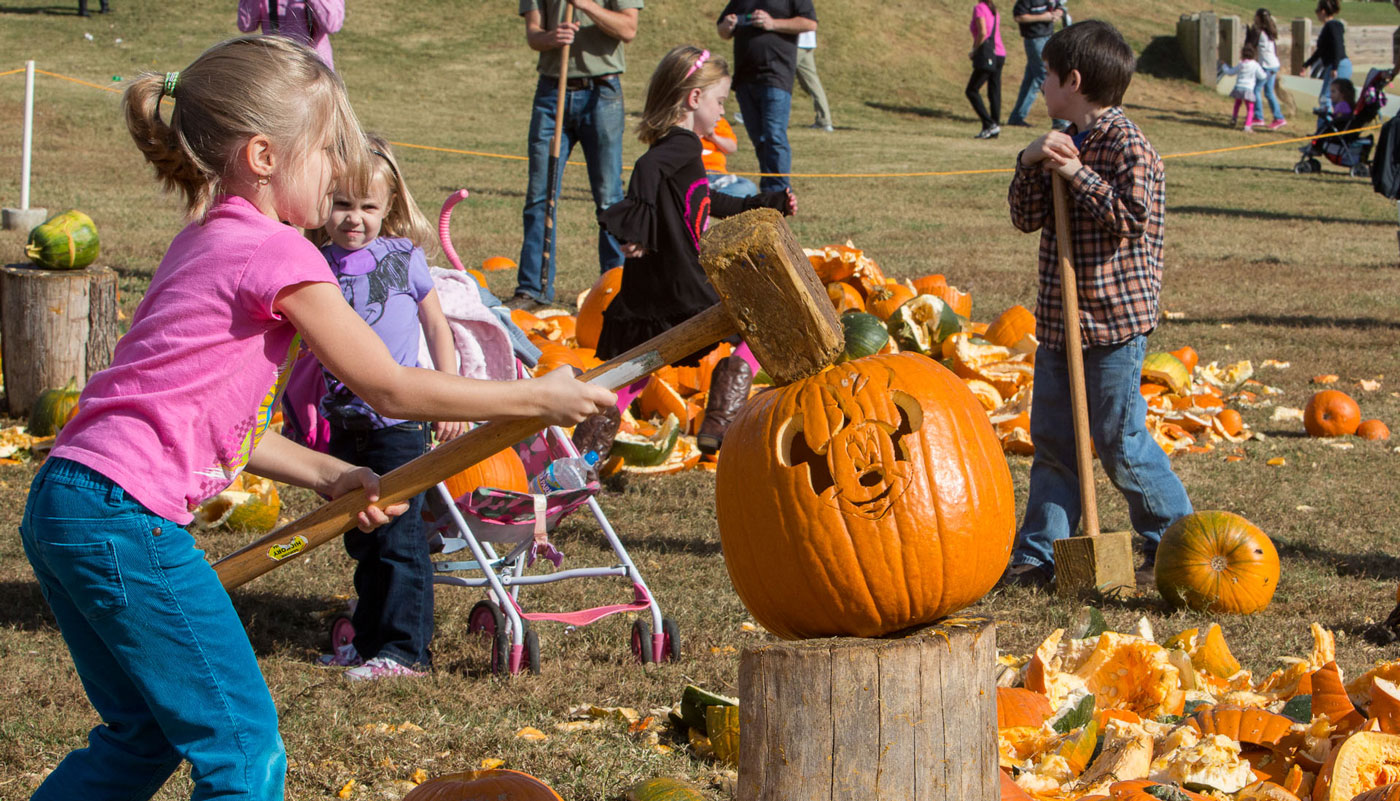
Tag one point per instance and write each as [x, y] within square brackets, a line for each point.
[1331, 413]
[1364, 761]
[1011, 327]
[1242, 724]
[1021, 707]
[589, 324]
[504, 471]
[1217, 562]
[1373, 429]
[864, 500]
[483, 784]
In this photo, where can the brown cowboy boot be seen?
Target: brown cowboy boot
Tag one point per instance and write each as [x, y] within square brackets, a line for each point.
[729, 388]
[596, 433]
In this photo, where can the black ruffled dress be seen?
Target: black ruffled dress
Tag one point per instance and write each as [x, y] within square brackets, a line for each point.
[667, 208]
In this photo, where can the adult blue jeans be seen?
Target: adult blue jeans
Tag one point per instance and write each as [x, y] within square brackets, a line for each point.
[1031, 81]
[594, 119]
[1266, 88]
[766, 110]
[1134, 462]
[393, 569]
[727, 183]
[1324, 97]
[160, 650]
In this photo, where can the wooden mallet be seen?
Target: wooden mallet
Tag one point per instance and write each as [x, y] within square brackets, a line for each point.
[768, 294]
[1091, 561]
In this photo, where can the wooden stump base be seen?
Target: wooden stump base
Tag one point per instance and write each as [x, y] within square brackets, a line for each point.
[909, 718]
[54, 325]
[1101, 563]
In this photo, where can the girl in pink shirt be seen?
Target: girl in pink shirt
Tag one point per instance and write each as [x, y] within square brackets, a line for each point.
[988, 57]
[309, 22]
[258, 130]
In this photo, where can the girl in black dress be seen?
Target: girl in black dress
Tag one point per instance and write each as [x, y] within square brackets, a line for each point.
[667, 209]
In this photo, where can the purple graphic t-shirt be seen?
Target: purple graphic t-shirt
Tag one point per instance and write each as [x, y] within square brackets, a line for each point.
[384, 281]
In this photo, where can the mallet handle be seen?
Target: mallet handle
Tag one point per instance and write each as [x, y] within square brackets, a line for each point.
[338, 516]
[1069, 290]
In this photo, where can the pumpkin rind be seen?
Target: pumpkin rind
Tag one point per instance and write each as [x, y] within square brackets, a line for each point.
[863, 500]
[483, 784]
[66, 241]
[1021, 707]
[1011, 327]
[1217, 562]
[1242, 724]
[1364, 761]
[589, 324]
[53, 409]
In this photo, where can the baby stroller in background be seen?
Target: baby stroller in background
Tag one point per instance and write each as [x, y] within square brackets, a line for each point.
[521, 522]
[1351, 150]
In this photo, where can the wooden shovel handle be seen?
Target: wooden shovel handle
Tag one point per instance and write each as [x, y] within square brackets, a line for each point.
[339, 516]
[1069, 290]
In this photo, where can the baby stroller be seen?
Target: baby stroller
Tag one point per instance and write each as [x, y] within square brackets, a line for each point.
[1351, 150]
[520, 524]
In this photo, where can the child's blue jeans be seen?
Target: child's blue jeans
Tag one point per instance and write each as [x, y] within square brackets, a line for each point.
[159, 648]
[1134, 462]
[393, 566]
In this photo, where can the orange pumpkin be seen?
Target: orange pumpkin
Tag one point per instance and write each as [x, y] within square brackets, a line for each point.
[1331, 413]
[1230, 421]
[498, 263]
[882, 485]
[503, 470]
[1188, 357]
[1242, 724]
[1373, 429]
[930, 284]
[1011, 327]
[1021, 707]
[960, 302]
[1217, 562]
[483, 784]
[553, 356]
[845, 297]
[589, 324]
[883, 301]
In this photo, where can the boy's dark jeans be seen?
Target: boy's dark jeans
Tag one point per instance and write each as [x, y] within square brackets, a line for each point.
[393, 574]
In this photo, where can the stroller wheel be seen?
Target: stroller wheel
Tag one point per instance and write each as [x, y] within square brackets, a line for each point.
[671, 651]
[1302, 168]
[489, 624]
[1314, 165]
[342, 632]
[1360, 171]
[532, 651]
[641, 640]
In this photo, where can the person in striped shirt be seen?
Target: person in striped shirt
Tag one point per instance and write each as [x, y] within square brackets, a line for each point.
[1116, 189]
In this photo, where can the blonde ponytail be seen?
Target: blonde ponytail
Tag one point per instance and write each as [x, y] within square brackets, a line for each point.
[177, 168]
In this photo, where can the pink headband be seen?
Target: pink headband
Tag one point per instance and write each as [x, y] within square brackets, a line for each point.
[699, 62]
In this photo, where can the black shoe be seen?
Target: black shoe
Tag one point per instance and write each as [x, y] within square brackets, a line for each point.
[1031, 576]
[524, 302]
[729, 388]
[1018, 123]
[1146, 575]
[992, 132]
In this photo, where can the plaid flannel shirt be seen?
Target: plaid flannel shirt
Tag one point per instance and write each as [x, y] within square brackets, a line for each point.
[1117, 205]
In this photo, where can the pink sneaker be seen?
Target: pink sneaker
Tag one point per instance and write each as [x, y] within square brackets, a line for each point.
[1277, 124]
[344, 656]
[1248, 128]
[380, 667]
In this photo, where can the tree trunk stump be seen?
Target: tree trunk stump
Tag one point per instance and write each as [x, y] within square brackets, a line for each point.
[54, 325]
[910, 718]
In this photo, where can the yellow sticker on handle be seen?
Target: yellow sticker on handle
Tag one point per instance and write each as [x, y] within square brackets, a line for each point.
[279, 552]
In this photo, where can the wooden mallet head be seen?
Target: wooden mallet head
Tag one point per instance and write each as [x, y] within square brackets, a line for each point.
[771, 293]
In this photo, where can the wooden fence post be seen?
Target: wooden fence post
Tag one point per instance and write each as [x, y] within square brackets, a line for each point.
[1302, 42]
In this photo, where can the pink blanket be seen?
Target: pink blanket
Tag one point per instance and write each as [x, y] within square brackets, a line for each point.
[483, 347]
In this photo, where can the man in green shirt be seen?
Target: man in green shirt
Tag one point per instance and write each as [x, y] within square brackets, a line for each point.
[593, 117]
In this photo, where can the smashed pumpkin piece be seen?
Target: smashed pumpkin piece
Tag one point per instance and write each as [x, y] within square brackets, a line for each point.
[1364, 761]
[1243, 725]
[1329, 699]
[1384, 709]
[1126, 754]
[1127, 672]
[1212, 762]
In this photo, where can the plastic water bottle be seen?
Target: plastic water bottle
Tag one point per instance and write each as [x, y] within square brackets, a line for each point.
[564, 474]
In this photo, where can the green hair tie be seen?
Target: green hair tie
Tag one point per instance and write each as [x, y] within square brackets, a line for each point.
[168, 88]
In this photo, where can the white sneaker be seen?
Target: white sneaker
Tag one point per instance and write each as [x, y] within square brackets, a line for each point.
[344, 656]
[380, 667]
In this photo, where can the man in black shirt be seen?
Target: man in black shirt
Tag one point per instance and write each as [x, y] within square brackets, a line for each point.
[765, 62]
[1037, 21]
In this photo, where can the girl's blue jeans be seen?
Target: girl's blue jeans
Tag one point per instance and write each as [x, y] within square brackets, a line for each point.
[1134, 462]
[1266, 88]
[393, 565]
[157, 644]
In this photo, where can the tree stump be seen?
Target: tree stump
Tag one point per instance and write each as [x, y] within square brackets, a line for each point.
[909, 718]
[54, 325]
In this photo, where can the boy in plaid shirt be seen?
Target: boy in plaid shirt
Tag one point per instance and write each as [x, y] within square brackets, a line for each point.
[1117, 202]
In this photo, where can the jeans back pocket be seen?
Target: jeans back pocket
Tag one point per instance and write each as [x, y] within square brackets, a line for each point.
[89, 574]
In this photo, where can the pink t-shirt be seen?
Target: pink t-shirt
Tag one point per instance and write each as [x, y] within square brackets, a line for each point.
[196, 380]
[981, 12]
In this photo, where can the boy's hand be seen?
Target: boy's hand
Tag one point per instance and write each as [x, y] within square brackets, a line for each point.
[448, 430]
[790, 208]
[372, 516]
[632, 250]
[1056, 149]
[564, 400]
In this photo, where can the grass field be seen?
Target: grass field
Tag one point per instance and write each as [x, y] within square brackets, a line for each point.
[1260, 263]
